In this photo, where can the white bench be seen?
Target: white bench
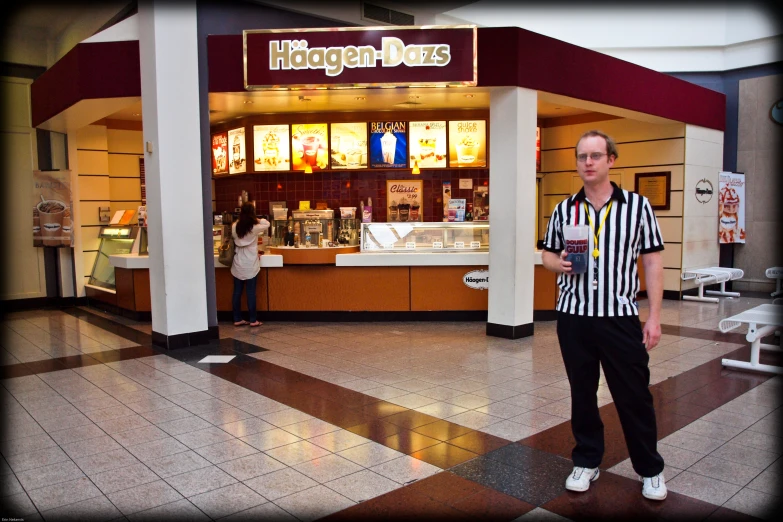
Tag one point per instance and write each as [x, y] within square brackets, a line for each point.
[710, 276]
[762, 320]
[776, 272]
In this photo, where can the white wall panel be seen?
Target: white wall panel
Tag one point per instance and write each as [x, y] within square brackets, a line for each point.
[704, 153]
[671, 229]
[672, 255]
[700, 228]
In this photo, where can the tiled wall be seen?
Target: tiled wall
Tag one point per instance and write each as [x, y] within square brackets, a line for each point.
[342, 189]
[642, 147]
[108, 165]
[758, 156]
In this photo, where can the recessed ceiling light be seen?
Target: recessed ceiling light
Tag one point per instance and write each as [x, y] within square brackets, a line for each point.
[360, 98]
[414, 97]
[248, 102]
[136, 114]
[468, 96]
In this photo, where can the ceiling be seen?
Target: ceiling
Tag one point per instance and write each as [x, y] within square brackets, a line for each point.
[227, 106]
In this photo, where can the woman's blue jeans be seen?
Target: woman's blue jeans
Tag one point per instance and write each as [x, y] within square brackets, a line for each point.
[236, 299]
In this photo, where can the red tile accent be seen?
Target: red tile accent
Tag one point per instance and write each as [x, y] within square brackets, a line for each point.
[443, 430]
[444, 455]
[409, 442]
[493, 505]
[478, 442]
[410, 419]
[446, 487]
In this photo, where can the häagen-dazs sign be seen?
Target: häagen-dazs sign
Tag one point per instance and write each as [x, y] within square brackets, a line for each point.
[477, 279]
[360, 57]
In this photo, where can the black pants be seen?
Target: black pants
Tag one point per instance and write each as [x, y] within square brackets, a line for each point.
[615, 343]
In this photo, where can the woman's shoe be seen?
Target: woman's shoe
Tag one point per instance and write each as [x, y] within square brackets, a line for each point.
[240, 323]
[256, 323]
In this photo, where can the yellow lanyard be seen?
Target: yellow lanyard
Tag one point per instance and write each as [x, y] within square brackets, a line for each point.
[597, 252]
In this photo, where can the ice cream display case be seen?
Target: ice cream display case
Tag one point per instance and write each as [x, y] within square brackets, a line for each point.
[114, 240]
[425, 237]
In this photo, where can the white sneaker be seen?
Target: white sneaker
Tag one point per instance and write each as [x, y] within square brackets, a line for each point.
[580, 478]
[654, 488]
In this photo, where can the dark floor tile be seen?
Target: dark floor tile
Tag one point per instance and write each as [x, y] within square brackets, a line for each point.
[410, 419]
[408, 442]
[444, 455]
[492, 505]
[723, 514]
[400, 504]
[527, 458]
[446, 487]
[376, 430]
[442, 430]
[382, 409]
[557, 440]
[716, 393]
[342, 417]
[685, 409]
[478, 442]
[512, 481]
[613, 497]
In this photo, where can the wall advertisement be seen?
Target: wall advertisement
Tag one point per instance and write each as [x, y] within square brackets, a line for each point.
[731, 208]
[389, 144]
[404, 197]
[51, 202]
[238, 159]
[271, 147]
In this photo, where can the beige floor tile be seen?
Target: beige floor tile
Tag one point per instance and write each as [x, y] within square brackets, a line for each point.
[314, 503]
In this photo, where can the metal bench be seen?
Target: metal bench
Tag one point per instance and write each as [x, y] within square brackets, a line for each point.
[710, 276]
[762, 320]
[776, 272]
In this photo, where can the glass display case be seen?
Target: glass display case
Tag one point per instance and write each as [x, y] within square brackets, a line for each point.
[425, 237]
[320, 225]
[114, 240]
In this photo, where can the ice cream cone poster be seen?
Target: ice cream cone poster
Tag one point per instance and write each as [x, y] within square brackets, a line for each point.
[51, 208]
[403, 200]
[731, 208]
[388, 144]
[271, 147]
[468, 143]
[237, 159]
[220, 153]
[428, 144]
[348, 145]
[309, 146]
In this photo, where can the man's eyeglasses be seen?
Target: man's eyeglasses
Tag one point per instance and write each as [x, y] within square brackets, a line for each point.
[595, 156]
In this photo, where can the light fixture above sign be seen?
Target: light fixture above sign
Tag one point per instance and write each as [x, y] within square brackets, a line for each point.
[352, 57]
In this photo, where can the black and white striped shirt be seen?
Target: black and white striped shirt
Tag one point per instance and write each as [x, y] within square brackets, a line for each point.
[630, 229]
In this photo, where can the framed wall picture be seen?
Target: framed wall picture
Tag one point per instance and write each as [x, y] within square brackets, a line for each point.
[388, 144]
[428, 144]
[468, 143]
[404, 198]
[655, 186]
[348, 145]
[220, 153]
[237, 160]
[309, 146]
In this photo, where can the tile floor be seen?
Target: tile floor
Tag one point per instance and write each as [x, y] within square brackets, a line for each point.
[363, 420]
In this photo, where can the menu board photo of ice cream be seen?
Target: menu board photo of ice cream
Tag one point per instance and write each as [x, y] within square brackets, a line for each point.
[309, 146]
[238, 159]
[388, 144]
[51, 202]
[428, 144]
[348, 148]
[271, 147]
[403, 200]
[220, 153]
[468, 143]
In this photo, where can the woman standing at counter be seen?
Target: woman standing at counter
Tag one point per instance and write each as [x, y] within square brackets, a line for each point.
[246, 265]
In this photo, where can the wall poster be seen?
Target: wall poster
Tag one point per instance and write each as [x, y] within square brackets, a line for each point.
[468, 143]
[220, 153]
[731, 208]
[428, 144]
[348, 145]
[237, 160]
[309, 146]
[404, 198]
[271, 147]
[388, 144]
[51, 202]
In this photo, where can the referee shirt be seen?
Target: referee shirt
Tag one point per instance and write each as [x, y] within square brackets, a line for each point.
[630, 229]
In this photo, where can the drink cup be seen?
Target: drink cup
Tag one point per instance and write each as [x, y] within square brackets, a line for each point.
[310, 146]
[393, 213]
[452, 214]
[388, 147]
[51, 213]
[37, 239]
[353, 157]
[467, 150]
[577, 245]
[415, 211]
[405, 209]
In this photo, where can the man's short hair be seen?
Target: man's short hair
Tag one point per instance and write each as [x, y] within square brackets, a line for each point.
[611, 146]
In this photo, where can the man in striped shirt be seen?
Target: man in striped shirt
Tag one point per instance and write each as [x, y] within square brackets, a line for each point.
[598, 318]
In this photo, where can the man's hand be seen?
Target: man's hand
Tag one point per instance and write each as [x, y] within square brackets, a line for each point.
[556, 263]
[651, 334]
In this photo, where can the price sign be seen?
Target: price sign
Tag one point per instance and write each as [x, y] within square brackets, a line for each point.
[459, 244]
[475, 244]
[388, 246]
[410, 245]
[437, 244]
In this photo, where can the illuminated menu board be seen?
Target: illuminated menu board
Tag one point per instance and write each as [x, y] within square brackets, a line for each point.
[428, 144]
[468, 143]
[237, 157]
[388, 144]
[348, 148]
[220, 153]
[271, 146]
[309, 146]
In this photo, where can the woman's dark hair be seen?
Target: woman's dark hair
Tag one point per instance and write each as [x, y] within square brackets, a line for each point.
[247, 218]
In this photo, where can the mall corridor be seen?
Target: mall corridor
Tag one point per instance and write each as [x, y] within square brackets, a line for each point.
[366, 421]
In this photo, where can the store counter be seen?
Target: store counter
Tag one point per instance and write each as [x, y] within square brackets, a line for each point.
[377, 282]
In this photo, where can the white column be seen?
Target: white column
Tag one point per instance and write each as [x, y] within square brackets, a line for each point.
[512, 182]
[170, 100]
